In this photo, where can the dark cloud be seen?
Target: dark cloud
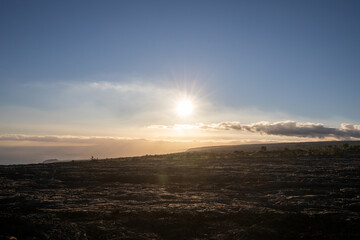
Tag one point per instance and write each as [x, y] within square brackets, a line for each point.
[291, 128]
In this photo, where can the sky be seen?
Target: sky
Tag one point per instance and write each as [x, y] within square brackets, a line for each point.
[82, 78]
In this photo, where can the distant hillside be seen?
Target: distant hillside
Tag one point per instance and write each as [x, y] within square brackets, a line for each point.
[271, 146]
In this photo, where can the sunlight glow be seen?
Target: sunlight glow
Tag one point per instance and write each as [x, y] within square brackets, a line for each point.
[184, 108]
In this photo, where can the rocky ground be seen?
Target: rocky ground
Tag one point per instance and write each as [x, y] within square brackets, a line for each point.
[182, 197]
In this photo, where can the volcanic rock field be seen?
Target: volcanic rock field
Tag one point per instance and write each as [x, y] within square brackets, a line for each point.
[182, 196]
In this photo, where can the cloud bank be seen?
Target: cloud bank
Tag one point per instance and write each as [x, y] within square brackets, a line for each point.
[291, 128]
[284, 128]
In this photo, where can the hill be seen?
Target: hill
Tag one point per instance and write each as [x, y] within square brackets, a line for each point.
[273, 146]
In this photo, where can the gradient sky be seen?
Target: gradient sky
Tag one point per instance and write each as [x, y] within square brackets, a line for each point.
[117, 68]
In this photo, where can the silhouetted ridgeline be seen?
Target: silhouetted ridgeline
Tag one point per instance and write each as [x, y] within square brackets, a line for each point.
[51, 160]
[315, 150]
[308, 148]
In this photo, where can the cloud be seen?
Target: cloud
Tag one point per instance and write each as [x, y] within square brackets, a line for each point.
[18, 137]
[54, 138]
[135, 87]
[291, 128]
[95, 104]
[284, 128]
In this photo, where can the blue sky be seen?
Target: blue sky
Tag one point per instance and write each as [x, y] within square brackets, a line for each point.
[245, 61]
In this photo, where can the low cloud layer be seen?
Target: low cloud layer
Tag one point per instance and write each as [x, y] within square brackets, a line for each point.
[284, 128]
[291, 128]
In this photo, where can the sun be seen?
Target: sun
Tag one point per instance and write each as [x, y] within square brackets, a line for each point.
[184, 108]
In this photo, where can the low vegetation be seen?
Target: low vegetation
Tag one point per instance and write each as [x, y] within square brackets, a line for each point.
[258, 194]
